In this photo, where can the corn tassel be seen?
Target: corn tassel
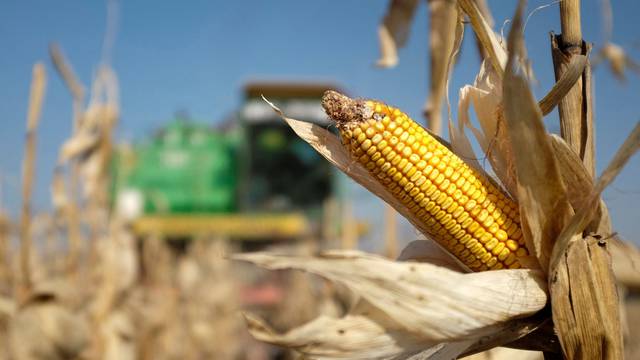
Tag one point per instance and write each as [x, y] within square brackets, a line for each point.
[463, 211]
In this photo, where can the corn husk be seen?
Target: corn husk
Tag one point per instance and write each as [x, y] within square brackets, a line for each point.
[409, 305]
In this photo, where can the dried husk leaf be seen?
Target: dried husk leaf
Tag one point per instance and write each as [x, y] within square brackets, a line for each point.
[459, 141]
[354, 336]
[568, 78]
[584, 215]
[497, 56]
[394, 30]
[420, 296]
[486, 97]
[544, 209]
[80, 144]
[584, 301]
[578, 183]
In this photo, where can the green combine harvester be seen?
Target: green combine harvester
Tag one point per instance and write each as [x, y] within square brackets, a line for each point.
[253, 180]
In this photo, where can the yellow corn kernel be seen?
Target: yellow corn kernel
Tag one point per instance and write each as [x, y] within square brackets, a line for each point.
[456, 205]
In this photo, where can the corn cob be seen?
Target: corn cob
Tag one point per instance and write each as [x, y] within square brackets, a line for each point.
[461, 209]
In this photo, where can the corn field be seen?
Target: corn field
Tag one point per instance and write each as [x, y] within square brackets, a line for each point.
[515, 255]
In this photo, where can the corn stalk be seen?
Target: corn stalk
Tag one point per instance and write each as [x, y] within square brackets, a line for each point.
[38, 85]
[583, 292]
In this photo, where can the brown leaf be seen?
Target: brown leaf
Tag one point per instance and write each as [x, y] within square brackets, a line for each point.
[394, 30]
[585, 302]
[544, 209]
[421, 297]
[443, 15]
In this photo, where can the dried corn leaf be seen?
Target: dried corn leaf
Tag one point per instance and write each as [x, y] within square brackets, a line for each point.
[584, 302]
[394, 30]
[578, 183]
[584, 215]
[544, 209]
[422, 297]
[78, 145]
[66, 71]
[443, 15]
[568, 78]
[351, 337]
[486, 97]
[497, 56]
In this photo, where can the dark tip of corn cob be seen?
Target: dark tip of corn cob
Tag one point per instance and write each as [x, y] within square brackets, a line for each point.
[344, 110]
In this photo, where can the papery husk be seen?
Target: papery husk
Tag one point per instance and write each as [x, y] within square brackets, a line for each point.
[486, 36]
[394, 30]
[486, 97]
[420, 297]
[354, 336]
[584, 297]
[544, 208]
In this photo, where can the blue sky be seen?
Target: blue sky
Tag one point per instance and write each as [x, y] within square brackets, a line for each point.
[172, 55]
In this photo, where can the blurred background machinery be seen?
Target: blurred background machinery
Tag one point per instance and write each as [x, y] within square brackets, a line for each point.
[251, 179]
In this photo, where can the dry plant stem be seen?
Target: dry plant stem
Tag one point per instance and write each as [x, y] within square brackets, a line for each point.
[571, 26]
[584, 298]
[5, 267]
[443, 20]
[38, 85]
[583, 215]
[585, 309]
[575, 109]
[576, 120]
[71, 212]
[540, 188]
